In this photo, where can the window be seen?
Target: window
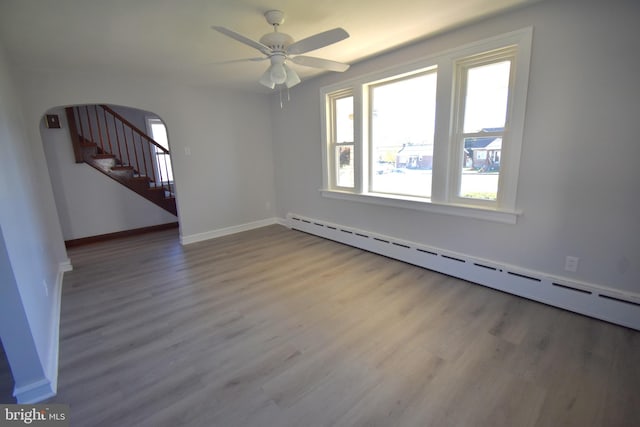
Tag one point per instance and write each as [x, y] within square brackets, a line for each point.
[442, 134]
[483, 88]
[402, 116]
[342, 140]
[158, 132]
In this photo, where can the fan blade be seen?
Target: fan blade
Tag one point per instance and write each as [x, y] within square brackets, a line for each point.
[292, 77]
[325, 64]
[242, 39]
[233, 61]
[316, 42]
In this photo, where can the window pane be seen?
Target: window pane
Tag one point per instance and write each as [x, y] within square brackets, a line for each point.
[165, 171]
[402, 129]
[159, 134]
[481, 168]
[486, 97]
[344, 119]
[344, 167]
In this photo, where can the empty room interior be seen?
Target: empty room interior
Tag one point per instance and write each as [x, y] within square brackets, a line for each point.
[291, 213]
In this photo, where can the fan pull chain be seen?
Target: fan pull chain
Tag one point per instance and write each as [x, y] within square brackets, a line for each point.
[288, 97]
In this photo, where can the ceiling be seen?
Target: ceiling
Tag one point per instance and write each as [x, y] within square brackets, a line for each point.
[173, 39]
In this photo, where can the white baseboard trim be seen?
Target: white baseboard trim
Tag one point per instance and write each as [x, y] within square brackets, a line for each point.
[35, 392]
[612, 305]
[63, 267]
[200, 237]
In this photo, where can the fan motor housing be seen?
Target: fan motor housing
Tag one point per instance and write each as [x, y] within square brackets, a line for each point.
[276, 40]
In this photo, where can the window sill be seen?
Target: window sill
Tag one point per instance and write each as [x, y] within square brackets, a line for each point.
[407, 202]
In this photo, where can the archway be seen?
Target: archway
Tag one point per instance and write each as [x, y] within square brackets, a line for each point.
[108, 175]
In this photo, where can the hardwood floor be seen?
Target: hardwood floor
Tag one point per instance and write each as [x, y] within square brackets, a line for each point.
[274, 327]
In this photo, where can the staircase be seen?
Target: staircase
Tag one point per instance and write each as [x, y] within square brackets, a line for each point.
[108, 142]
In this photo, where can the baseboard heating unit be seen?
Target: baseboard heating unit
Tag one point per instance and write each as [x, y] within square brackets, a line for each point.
[592, 300]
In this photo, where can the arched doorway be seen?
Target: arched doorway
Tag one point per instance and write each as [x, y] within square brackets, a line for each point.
[109, 175]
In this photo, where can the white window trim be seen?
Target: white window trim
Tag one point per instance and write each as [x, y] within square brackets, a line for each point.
[504, 210]
[457, 132]
[416, 203]
[367, 88]
[333, 144]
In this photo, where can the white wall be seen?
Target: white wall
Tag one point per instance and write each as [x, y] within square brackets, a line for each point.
[226, 180]
[89, 203]
[31, 252]
[578, 176]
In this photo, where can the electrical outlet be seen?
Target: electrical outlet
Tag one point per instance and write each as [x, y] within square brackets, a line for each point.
[571, 263]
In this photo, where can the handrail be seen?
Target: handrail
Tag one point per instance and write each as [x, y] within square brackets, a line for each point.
[133, 127]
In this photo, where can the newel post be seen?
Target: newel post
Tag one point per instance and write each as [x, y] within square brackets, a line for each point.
[75, 137]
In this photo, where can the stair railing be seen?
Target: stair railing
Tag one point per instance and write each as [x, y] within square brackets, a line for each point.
[114, 135]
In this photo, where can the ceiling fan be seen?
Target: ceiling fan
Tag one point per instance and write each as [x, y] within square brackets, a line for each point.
[280, 48]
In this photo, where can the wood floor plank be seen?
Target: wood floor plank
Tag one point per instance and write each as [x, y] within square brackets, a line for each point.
[274, 327]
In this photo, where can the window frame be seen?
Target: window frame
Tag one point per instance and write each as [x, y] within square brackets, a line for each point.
[458, 134]
[444, 197]
[150, 121]
[369, 88]
[334, 144]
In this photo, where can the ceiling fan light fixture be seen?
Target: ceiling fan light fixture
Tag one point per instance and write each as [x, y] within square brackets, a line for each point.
[281, 48]
[278, 73]
[265, 79]
[292, 77]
